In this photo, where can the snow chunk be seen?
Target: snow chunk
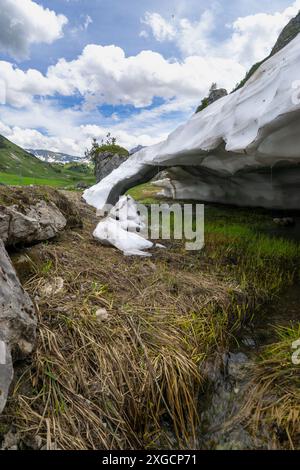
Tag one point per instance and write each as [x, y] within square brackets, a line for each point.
[120, 229]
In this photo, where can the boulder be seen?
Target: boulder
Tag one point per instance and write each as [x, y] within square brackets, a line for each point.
[17, 323]
[243, 149]
[106, 162]
[216, 94]
[37, 222]
[81, 185]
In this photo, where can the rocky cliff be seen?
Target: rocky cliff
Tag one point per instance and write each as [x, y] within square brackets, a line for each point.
[106, 162]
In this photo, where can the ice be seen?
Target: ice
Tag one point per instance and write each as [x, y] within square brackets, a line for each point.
[224, 148]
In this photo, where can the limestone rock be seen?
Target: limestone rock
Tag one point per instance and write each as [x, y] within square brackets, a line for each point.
[107, 162]
[289, 33]
[17, 323]
[216, 94]
[38, 222]
[102, 314]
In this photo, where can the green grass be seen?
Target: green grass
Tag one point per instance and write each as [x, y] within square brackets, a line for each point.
[145, 193]
[18, 167]
[62, 182]
[237, 241]
[114, 149]
[274, 398]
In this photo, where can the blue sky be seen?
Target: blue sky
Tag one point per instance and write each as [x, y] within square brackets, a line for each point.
[71, 70]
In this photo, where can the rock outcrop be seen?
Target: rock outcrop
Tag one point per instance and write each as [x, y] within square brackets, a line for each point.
[289, 33]
[39, 222]
[243, 149]
[27, 215]
[17, 323]
[215, 94]
[106, 162]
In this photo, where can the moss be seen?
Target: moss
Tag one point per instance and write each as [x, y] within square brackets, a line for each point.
[203, 105]
[114, 149]
[249, 74]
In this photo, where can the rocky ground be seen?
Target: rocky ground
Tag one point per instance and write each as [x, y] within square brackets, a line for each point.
[151, 353]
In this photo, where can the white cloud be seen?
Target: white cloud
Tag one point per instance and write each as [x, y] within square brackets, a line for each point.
[144, 34]
[251, 37]
[21, 87]
[25, 22]
[161, 29]
[105, 75]
[254, 36]
[88, 20]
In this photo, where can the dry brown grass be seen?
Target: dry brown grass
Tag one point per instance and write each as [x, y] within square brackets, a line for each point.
[273, 401]
[132, 381]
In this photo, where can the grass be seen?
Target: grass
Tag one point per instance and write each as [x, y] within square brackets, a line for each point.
[18, 167]
[58, 182]
[119, 381]
[275, 391]
[134, 381]
[130, 382]
[114, 149]
[145, 193]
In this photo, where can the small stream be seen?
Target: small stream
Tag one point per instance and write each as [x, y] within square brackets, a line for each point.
[230, 377]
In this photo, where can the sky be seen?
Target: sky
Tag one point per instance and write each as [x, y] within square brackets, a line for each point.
[72, 70]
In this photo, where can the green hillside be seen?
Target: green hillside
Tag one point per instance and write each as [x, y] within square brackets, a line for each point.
[18, 167]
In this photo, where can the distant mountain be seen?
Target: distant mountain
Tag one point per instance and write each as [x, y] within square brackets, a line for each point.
[16, 161]
[18, 167]
[55, 157]
[136, 149]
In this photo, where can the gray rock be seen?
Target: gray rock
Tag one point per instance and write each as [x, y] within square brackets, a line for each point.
[107, 162]
[17, 323]
[10, 441]
[39, 222]
[291, 30]
[81, 185]
[216, 94]
[136, 149]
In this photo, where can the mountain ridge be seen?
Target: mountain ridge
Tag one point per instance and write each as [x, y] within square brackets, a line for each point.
[50, 156]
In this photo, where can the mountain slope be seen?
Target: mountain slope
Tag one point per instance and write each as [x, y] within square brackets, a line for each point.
[18, 167]
[288, 34]
[16, 161]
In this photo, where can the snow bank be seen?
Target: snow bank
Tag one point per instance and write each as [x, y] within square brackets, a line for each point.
[243, 149]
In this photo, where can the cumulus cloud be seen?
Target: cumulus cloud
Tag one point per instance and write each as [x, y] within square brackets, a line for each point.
[254, 36]
[105, 75]
[25, 22]
[250, 38]
[19, 87]
[76, 138]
